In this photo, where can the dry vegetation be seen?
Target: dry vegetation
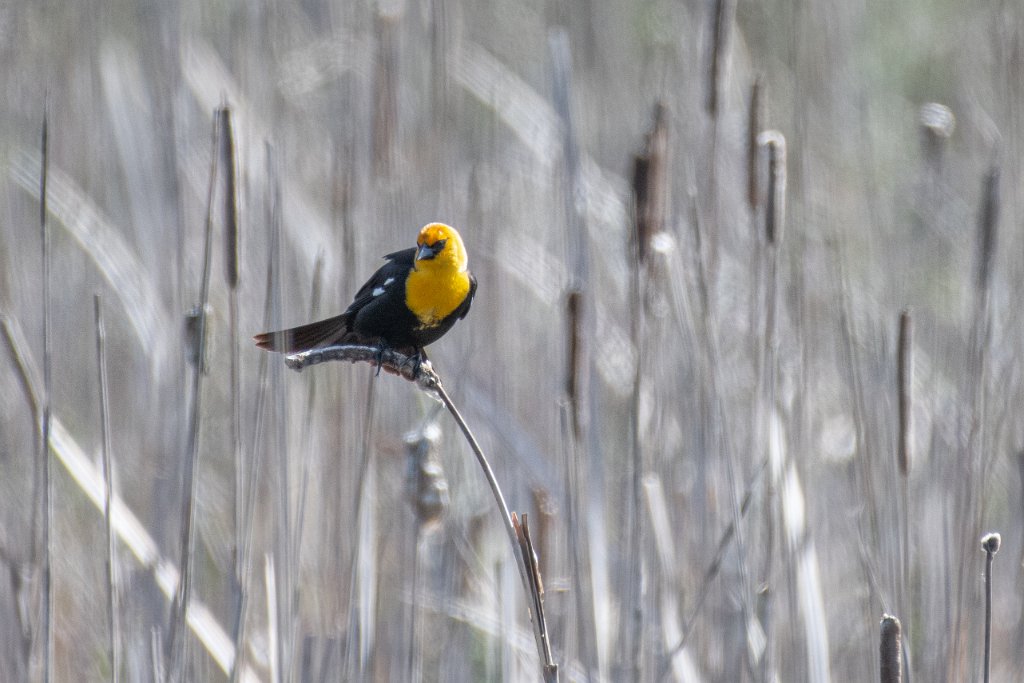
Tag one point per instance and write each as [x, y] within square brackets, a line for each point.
[746, 346]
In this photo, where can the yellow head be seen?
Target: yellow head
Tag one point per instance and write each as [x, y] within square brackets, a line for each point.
[439, 246]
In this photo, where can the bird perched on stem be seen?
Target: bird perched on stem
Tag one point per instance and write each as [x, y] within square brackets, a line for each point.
[411, 301]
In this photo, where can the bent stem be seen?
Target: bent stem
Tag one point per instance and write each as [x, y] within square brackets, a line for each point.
[518, 532]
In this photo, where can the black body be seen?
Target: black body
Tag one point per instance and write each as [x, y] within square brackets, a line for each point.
[383, 318]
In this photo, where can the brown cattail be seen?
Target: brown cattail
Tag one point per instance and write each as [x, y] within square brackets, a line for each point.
[544, 509]
[775, 211]
[755, 118]
[904, 379]
[650, 183]
[574, 305]
[385, 93]
[724, 12]
[427, 488]
[990, 543]
[988, 221]
[227, 152]
[891, 650]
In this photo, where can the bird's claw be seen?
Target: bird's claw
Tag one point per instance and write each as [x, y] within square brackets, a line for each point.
[416, 358]
[380, 357]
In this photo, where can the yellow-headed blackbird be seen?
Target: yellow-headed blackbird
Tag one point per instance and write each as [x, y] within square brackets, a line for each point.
[410, 302]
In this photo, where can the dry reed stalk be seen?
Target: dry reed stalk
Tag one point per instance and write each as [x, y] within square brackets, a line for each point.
[229, 192]
[426, 491]
[361, 586]
[755, 119]
[271, 317]
[113, 603]
[990, 544]
[273, 619]
[650, 195]
[1017, 647]
[535, 591]
[43, 489]
[90, 481]
[890, 650]
[427, 380]
[580, 561]
[578, 373]
[299, 513]
[723, 16]
[179, 635]
[766, 273]
[712, 572]
[440, 46]
[904, 456]
[156, 656]
[969, 505]
[281, 494]
[385, 93]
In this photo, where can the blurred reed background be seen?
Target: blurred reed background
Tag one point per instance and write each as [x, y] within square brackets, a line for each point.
[697, 227]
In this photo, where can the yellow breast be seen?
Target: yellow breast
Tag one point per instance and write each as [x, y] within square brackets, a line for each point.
[432, 294]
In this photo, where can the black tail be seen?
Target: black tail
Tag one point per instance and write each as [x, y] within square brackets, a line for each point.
[305, 337]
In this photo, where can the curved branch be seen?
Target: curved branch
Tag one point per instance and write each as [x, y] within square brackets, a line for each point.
[424, 376]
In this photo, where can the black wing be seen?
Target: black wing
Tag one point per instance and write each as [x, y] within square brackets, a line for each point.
[396, 269]
[463, 308]
[335, 330]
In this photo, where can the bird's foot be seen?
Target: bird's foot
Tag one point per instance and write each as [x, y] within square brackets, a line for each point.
[417, 358]
[382, 348]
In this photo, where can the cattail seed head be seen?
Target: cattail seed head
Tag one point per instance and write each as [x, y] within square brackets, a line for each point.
[990, 543]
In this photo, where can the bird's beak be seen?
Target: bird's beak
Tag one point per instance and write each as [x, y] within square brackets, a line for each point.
[429, 251]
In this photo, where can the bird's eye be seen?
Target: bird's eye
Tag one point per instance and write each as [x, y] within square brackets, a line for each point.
[439, 245]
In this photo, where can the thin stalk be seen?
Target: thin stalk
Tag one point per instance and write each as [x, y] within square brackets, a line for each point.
[47, 479]
[580, 564]
[527, 565]
[282, 555]
[414, 661]
[299, 514]
[179, 645]
[724, 542]
[904, 378]
[970, 506]
[270, 319]
[990, 544]
[359, 646]
[385, 91]
[426, 379]
[722, 17]
[650, 191]
[113, 623]
[273, 648]
[230, 197]
[156, 655]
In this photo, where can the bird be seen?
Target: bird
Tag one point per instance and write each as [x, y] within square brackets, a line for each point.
[410, 302]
